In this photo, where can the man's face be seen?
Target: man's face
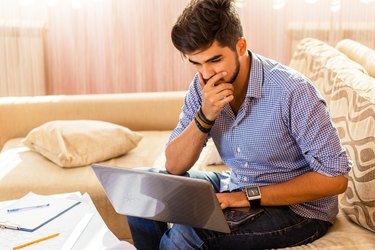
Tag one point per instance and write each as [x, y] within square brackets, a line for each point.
[214, 60]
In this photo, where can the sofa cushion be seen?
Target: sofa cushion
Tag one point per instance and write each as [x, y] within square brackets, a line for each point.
[358, 53]
[73, 143]
[320, 62]
[352, 109]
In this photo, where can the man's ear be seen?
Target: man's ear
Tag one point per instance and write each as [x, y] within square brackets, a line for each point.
[241, 46]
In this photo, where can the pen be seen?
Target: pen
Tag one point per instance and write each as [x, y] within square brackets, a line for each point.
[36, 241]
[26, 208]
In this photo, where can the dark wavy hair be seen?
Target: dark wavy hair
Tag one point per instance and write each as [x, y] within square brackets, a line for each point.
[204, 21]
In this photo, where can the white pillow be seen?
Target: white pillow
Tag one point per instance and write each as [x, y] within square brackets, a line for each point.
[212, 156]
[73, 143]
[209, 156]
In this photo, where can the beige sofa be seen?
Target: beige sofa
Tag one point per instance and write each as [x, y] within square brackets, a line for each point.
[154, 115]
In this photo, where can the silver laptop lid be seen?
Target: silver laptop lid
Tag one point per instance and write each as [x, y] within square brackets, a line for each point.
[162, 197]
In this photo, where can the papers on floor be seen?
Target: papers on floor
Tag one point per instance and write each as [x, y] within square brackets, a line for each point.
[79, 227]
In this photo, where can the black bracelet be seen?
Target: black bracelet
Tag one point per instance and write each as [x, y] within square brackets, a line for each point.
[200, 127]
[204, 119]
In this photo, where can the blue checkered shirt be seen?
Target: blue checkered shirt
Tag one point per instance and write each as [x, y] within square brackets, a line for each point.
[281, 131]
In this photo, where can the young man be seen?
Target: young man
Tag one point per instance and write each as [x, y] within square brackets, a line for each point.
[271, 128]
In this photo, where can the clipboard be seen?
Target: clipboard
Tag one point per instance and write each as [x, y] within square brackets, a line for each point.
[81, 226]
[33, 219]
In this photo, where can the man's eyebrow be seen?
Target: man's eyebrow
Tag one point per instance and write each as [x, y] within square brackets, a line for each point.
[208, 60]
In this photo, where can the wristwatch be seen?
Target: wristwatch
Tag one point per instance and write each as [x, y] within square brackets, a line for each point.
[253, 195]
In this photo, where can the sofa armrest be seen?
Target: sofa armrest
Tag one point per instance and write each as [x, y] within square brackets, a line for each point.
[137, 111]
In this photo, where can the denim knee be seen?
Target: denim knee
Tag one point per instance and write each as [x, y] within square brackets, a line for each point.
[181, 237]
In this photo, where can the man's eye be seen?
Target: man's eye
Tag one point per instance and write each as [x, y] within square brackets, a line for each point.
[215, 60]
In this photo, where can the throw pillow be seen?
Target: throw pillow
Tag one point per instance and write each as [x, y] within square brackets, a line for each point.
[208, 157]
[353, 113]
[73, 143]
[320, 62]
[358, 53]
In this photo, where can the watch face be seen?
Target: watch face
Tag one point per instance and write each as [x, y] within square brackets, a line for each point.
[253, 191]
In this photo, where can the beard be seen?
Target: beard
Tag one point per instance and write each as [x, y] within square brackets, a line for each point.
[236, 72]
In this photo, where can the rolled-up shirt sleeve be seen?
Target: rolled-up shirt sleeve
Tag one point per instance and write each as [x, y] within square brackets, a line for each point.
[310, 124]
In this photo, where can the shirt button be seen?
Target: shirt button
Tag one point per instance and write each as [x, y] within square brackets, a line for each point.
[235, 126]
[246, 165]
[245, 178]
[238, 149]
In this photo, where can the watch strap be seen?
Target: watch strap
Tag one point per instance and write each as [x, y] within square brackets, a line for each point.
[255, 203]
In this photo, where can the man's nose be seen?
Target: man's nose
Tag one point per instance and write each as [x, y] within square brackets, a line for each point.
[207, 72]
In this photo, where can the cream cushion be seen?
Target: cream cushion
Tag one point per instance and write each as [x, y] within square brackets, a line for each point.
[73, 143]
[358, 53]
[208, 157]
[320, 62]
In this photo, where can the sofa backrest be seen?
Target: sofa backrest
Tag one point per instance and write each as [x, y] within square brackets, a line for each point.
[358, 53]
[320, 62]
[353, 113]
[137, 111]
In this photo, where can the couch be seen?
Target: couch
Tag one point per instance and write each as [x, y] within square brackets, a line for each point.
[344, 83]
[22, 170]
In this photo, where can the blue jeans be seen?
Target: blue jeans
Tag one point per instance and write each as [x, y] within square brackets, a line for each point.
[277, 227]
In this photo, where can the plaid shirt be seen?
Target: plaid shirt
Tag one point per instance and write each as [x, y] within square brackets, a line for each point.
[281, 131]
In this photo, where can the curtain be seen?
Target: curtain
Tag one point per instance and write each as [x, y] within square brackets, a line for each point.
[115, 46]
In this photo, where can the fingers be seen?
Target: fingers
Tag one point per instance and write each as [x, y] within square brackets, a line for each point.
[216, 97]
[219, 93]
[223, 205]
[216, 93]
[215, 85]
[201, 81]
[221, 199]
[213, 81]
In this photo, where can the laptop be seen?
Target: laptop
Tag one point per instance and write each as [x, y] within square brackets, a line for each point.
[169, 198]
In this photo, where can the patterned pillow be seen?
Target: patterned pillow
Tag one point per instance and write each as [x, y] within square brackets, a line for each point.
[320, 62]
[352, 109]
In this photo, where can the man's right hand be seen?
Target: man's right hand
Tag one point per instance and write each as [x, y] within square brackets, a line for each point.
[215, 94]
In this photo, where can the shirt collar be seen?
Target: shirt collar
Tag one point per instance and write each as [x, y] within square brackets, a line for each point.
[254, 86]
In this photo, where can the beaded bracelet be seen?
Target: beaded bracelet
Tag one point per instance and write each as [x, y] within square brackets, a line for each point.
[203, 117]
[203, 124]
[200, 127]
